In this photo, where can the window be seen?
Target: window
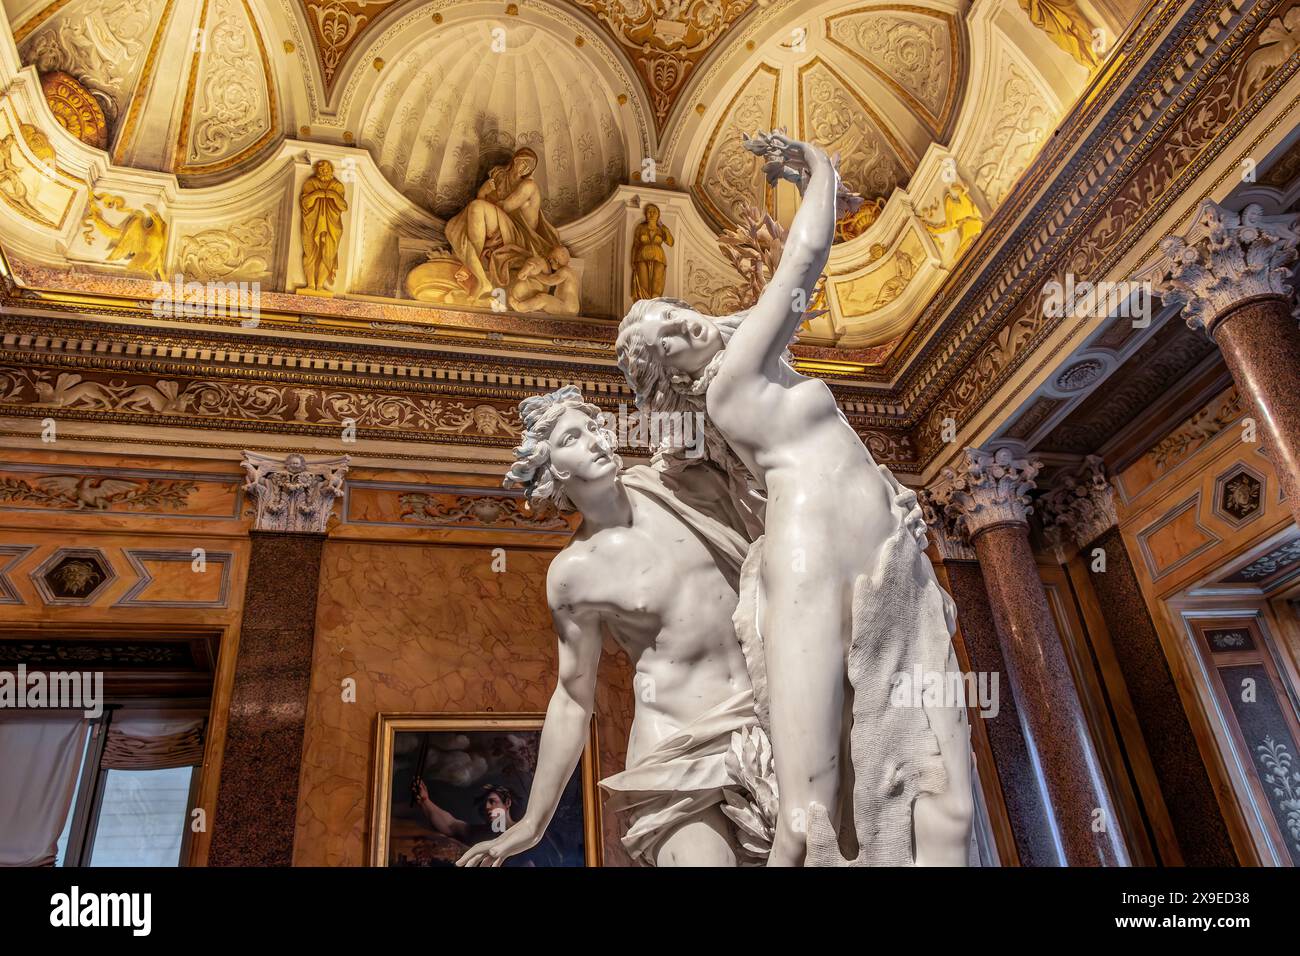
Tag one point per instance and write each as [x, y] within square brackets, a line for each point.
[133, 804]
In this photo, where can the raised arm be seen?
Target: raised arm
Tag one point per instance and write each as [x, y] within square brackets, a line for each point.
[564, 734]
[444, 822]
[760, 340]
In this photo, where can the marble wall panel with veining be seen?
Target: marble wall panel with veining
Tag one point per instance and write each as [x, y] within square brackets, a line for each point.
[426, 629]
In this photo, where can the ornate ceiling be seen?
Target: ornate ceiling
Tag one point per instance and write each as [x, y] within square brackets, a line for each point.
[933, 317]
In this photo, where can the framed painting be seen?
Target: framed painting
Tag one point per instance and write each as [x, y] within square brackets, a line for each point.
[444, 782]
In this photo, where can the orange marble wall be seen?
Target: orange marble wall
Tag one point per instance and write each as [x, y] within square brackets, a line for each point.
[427, 628]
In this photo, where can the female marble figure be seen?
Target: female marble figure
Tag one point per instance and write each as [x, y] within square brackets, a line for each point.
[843, 599]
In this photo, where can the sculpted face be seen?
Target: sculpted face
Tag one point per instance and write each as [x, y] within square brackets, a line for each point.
[577, 450]
[682, 339]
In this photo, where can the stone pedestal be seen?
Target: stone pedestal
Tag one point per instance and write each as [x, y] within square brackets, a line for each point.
[1230, 274]
[987, 502]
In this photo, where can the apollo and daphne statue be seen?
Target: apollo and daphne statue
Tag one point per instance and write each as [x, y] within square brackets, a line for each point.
[775, 734]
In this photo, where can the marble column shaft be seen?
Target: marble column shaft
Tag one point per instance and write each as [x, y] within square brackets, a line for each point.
[1194, 813]
[1260, 341]
[987, 502]
[257, 801]
[1054, 723]
[1025, 803]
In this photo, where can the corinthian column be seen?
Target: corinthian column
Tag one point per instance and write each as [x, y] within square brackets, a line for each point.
[987, 502]
[1231, 274]
[257, 801]
[1183, 810]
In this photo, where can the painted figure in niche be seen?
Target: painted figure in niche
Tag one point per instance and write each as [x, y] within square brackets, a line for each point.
[322, 204]
[649, 261]
[837, 596]
[1068, 28]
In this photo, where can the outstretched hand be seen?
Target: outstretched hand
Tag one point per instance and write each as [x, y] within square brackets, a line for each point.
[518, 839]
[792, 160]
[783, 157]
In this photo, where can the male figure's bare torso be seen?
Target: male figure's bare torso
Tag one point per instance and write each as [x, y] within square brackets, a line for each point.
[659, 593]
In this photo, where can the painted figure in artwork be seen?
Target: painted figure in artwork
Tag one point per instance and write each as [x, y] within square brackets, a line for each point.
[837, 596]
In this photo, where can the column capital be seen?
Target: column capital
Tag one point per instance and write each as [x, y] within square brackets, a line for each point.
[1225, 259]
[989, 487]
[292, 493]
[943, 532]
[1081, 502]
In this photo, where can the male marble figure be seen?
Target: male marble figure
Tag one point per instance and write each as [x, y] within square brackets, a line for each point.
[661, 577]
[843, 599]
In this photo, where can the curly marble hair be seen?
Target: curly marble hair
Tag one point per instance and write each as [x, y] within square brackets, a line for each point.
[533, 469]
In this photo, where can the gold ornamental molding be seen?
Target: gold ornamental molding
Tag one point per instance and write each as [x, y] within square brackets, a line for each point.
[936, 122]
[180, 165]
[142, 87]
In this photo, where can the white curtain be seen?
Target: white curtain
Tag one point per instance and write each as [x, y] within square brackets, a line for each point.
[39, 758]
[147, 741]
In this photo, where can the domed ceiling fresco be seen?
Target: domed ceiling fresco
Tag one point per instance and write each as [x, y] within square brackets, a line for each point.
[934, 110]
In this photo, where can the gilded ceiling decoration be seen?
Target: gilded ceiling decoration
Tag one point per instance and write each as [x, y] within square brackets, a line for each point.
[452, 108]
[336, 26]
[730, 177]
[101, 44]
[76, 110]
[914, 50]
[666, 39]
[835, 116]
[231, 109]
[875, 84]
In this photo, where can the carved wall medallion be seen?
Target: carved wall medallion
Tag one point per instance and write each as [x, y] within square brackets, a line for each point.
[73, 576]
[76, 110]
[1238, 496]
[1080, 375]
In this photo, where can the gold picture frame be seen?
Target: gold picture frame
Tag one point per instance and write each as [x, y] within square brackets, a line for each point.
[389, 725]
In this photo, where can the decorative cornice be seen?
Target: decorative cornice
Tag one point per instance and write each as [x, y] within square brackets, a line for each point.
[1081, 502]
[992, 488]
[1225, 259]
[293, 494]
